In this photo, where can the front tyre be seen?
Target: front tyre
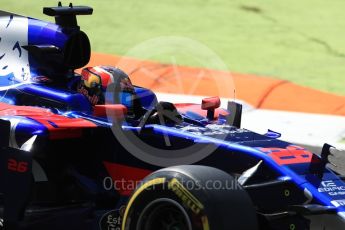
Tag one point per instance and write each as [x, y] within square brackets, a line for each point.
[189, 198]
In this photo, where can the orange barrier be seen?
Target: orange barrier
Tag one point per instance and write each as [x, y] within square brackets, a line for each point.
[261, 92]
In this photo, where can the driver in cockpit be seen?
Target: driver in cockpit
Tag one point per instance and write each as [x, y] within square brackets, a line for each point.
[110, 85]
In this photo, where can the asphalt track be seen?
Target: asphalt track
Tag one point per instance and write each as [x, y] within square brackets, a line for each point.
[339, 160]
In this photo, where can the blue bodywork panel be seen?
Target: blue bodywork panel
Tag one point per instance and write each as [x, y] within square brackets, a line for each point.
[67, 116]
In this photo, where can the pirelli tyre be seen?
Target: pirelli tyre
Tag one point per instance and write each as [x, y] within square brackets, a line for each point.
[189, 198]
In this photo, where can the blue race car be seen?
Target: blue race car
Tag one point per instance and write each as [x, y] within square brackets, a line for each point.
[94, 151]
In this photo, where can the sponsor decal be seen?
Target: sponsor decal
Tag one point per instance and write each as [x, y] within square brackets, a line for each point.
[338, 203]
[14, 61]
[328, 183]
[187, 198]
[112, 220]
[331, 188]
[94, 98]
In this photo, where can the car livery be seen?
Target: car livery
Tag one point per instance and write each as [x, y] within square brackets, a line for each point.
[81, 161]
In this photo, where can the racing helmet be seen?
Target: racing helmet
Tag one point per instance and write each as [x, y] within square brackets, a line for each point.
[95, 83]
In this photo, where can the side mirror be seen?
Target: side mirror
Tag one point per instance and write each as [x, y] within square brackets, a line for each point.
[210, 104]
[115, 111]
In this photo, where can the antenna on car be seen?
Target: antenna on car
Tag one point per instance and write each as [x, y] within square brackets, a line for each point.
[66, 16]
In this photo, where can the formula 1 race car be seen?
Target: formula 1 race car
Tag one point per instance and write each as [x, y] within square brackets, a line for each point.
[94, 151]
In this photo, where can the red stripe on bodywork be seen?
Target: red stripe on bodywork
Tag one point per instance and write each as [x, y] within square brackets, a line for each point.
[125, 178]
[290, 155]
[65, 127]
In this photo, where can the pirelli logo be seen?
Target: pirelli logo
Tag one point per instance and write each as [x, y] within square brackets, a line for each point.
[187, 198]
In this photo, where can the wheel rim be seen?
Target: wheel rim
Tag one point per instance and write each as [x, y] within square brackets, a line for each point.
[164, 214]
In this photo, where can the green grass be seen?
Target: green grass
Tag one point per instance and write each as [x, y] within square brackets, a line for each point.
[301, 41]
